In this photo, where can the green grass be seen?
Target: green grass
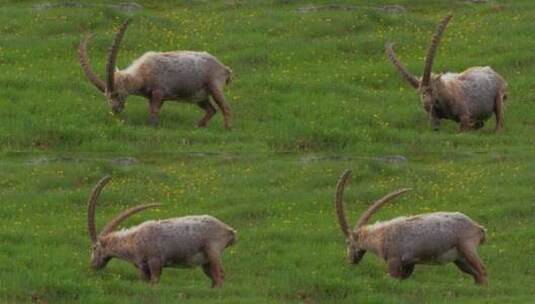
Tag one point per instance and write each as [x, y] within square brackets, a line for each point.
[313, 94]
[314, 81]
[290, 248]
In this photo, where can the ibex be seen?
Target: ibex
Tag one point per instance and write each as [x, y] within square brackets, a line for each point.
[178, 242]
[432, 238]
[180, 75]
[470, 97]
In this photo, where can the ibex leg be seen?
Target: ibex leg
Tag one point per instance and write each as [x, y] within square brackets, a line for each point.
[144, 271]
[207, 269]
[394, 268]
[435, 121]
[209, 112]
[465, 123]
[478, 124]
[155, 104]
[217, 93]
[155, 267]
[498, 112]
[469, 252]
[216, 267]
[465, 267]
[406, 270]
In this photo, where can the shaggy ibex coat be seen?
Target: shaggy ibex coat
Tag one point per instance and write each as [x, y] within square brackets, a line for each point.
[180, 75]
[178, 242]
[470, 97]
[432, 238]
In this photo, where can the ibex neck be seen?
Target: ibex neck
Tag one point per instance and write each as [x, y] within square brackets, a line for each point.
[121, 246]
[127, 82]
[372, 239]
[449, 87]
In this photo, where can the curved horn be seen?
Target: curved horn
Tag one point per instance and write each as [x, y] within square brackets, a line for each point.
[112, 225]
[86, 65]
[365, 217]
[340, 213]
[433, 49]
[91, 204]
[112, 56]
[400, 67]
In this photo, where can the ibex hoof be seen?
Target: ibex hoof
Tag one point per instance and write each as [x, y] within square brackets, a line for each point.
[154, 121]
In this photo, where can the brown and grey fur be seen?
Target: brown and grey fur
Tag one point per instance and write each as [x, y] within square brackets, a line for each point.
[159, 76]
[403, 242]
[152, 245]
[470, 97]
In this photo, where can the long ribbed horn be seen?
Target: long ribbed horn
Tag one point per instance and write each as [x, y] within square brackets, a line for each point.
[112, 225]
[91, 205]
[389, 48]
[112, 56]
[339, 204]
[86, 65]
[433, 49]
[365, 217]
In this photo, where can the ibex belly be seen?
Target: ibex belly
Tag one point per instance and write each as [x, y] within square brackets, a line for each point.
[186, 262]
[447, 257]
[184, 88]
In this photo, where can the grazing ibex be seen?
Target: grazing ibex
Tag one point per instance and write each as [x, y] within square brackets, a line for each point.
[470, 97]
[432, 238]
[178, 242]
[180, 75]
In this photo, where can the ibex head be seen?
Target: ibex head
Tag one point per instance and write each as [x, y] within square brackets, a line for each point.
[427, 85]
[115, 96]
[101, 248]
[355, 238]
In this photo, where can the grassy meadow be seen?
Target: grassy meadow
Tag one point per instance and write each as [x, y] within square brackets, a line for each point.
[312, 95]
